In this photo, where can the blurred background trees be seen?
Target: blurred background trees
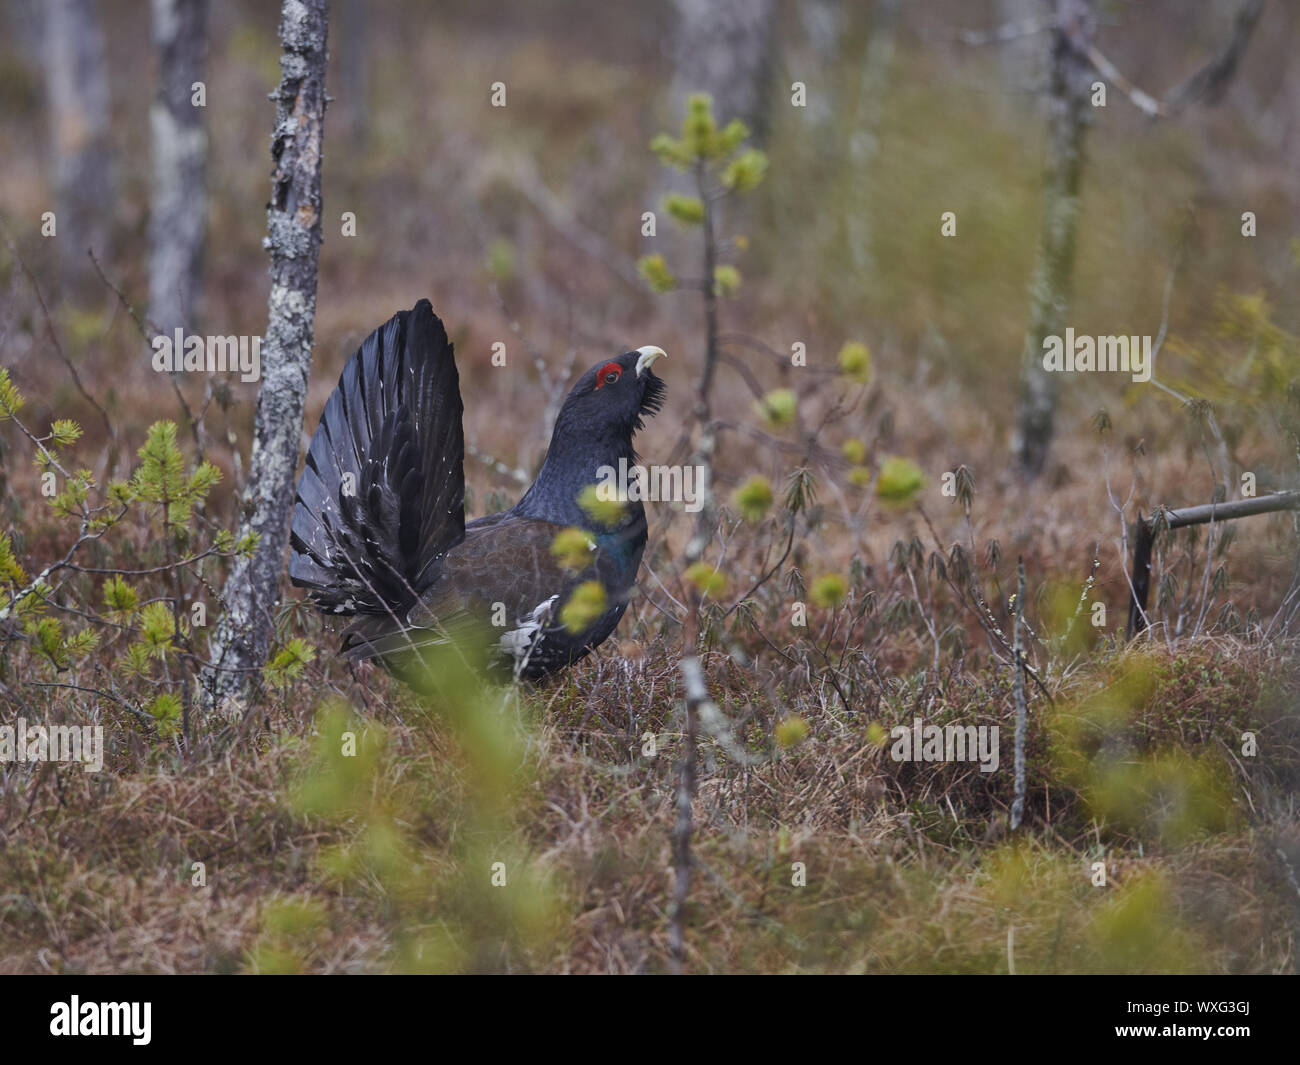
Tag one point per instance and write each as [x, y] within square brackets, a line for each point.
[907, 114]
[81, 142]
[178, 211]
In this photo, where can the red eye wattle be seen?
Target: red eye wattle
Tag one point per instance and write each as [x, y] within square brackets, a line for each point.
[608, 374]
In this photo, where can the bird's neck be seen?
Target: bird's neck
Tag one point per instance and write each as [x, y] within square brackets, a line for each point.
[571, 465]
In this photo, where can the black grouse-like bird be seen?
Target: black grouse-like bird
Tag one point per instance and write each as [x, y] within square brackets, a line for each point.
[379, 530]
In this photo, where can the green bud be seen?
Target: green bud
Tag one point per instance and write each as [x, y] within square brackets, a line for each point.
[855, 362]
[753, 498]
[707, 579]
[656, 272]
[585, 604]
[688, 210]
[778, 406]
[726, 280]
[828, 591]
[573, 549]
[899, 481]
[746, 171]
[791, 731]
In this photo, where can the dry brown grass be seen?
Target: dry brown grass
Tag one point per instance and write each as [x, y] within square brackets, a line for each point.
[908, 866]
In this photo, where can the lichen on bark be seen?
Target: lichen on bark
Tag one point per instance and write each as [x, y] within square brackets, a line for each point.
[242, 635]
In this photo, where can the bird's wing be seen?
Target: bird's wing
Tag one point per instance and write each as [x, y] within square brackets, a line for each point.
[507, 562]
[381, 498]
[504, 560]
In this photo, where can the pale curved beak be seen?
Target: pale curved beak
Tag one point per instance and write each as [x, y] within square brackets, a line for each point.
[646, 356]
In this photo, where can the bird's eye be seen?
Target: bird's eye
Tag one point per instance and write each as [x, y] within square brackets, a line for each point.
[608, 374]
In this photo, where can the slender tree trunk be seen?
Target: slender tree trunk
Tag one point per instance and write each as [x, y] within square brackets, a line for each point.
[825, 25]
[179, 212]
[1074, 64]
[1070, 80]
[353, 24]
[1020, 59]
[864, 141]
[242, 636]
[724, 48]
[692, 671]
[1018, 689]
[76, 81]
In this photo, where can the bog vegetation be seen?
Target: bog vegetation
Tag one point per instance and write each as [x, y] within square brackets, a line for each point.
[859, 570]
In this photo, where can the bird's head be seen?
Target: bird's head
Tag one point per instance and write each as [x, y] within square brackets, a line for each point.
[619, 393]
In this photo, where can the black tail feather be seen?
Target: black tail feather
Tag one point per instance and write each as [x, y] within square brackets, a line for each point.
[381, 498]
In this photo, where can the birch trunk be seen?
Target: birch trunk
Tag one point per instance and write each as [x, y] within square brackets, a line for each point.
[352, 20]
[242, 636]
[1070, 81]
[76, 82]
[724, 48]
[864, 141]
[1020, 59]
[179, 211]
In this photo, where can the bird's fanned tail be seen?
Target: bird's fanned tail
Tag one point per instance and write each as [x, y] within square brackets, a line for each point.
[381, 499]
